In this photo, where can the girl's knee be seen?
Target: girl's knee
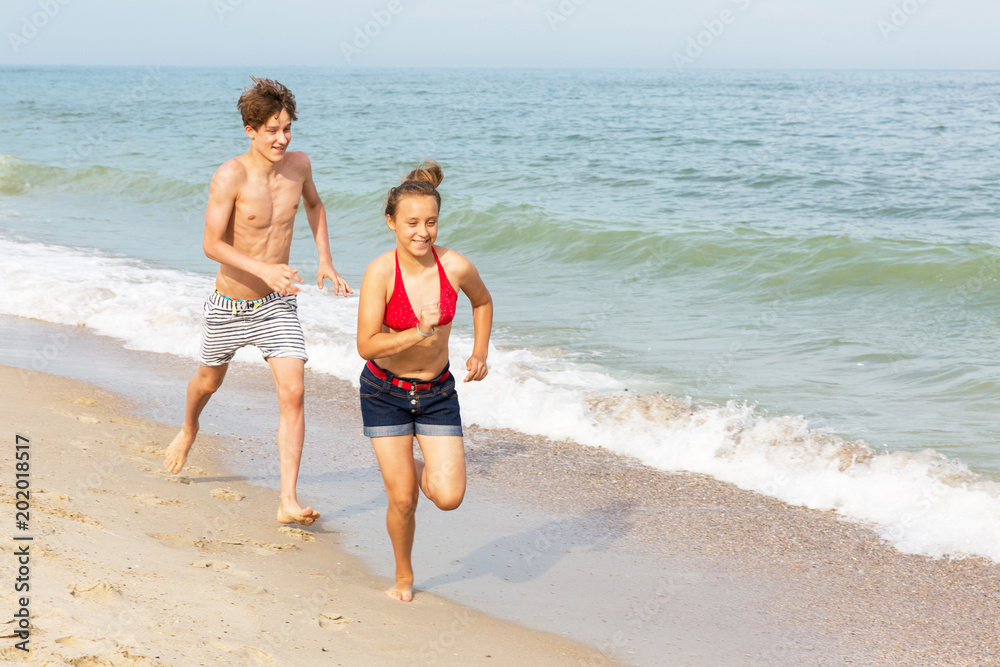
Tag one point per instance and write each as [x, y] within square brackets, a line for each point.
[402, 503]
[449, 500]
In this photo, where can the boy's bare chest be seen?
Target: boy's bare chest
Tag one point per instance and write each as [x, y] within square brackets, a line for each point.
[262, 204]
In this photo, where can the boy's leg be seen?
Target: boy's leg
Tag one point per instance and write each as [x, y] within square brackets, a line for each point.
[206, 382]
[288, 380]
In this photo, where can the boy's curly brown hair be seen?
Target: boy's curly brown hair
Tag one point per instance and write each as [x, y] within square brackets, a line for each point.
[263, 100]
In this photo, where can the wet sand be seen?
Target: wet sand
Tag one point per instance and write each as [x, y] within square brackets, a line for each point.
[653, 568]
[125, 564]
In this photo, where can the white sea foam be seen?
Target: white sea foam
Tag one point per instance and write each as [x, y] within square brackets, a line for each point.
[921, 502]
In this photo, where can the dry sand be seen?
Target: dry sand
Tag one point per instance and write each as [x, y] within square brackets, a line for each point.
[130, 566]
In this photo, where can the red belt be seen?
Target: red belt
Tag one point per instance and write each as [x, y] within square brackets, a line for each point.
[403, 384]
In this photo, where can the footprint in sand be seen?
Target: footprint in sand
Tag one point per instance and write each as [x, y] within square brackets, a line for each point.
[150, 499]
[86, 402]
[72, 515]
[210, 564]
[171, 540]
[102, 591]
[261, 547]
[125, 422]
[143, 449]
[143, 467]
[272, 547]
[12, 656]
[80, 418]
[251, 590]
[122, 658]
[249, 655]
[227, 494]
[87, 644]
[176, 479]
[50, 495]
[330, 620]
[297, 533]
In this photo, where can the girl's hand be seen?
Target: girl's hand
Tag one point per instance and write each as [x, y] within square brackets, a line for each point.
[477, 368]
[430, 315]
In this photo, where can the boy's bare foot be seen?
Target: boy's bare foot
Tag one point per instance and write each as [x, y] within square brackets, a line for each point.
[176, 452]
[402, 591]
[305, 517]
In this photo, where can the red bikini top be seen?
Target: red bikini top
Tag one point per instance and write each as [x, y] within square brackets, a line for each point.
[399, 313]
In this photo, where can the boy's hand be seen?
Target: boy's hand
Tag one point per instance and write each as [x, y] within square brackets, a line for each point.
[280, 277]
[327, 271]
[476, 366]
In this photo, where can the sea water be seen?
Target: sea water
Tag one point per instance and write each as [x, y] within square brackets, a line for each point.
[784, 279]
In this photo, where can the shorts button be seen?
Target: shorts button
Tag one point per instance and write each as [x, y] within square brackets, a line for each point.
[413, 410]
[413, 401]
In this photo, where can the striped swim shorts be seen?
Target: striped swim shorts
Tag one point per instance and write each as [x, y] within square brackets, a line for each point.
[271, 323]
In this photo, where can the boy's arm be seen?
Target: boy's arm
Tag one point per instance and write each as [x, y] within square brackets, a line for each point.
[316, 214]
[222, 193]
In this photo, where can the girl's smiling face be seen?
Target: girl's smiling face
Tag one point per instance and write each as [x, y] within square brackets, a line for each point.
[415, 224]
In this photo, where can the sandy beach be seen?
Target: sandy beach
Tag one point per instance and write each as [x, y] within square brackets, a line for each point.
[640, 566]
[128, 565]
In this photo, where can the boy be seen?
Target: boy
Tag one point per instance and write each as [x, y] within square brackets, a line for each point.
[249, 224]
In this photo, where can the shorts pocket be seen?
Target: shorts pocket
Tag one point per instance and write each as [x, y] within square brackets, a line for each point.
[216, 315]
[370, 389]
[448, 388]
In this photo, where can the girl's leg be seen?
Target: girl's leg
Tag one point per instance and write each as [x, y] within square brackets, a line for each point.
[442, 477]
[399, 473]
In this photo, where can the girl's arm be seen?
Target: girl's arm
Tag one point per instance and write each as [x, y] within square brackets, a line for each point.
[482, 318]
[373, 343]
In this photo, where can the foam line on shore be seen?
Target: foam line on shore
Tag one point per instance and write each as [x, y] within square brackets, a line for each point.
[921, 502]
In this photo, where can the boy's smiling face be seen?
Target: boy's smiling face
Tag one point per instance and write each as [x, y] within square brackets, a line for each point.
[271, 139]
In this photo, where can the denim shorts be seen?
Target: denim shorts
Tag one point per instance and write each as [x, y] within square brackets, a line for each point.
[390, 410]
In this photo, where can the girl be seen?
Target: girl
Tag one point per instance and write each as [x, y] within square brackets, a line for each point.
[408, 300]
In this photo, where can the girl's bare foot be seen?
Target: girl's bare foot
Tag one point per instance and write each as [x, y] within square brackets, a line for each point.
[402, 591]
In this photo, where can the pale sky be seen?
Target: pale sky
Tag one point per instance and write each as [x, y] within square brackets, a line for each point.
[824, 34]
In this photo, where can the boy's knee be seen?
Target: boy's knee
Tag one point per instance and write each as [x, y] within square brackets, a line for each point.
[209, 384]
[291, 393]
